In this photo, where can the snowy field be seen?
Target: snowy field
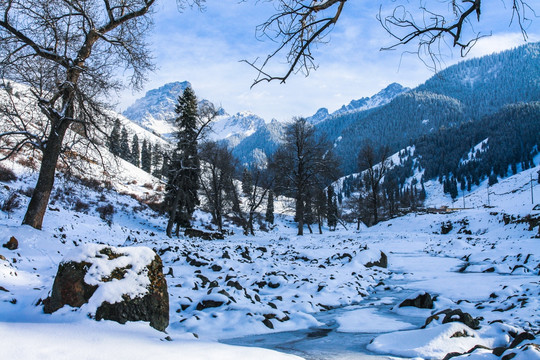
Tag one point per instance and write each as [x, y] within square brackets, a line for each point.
[308, 296]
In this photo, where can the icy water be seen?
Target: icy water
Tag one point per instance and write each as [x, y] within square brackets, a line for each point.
[326, 343]
[413, 271]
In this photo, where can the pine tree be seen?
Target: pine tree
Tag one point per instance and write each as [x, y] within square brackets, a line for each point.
[135, 152]
[114, 139]
[125, 152]
[185, 168]
[146, 156]
[269, 217]
[157, 156]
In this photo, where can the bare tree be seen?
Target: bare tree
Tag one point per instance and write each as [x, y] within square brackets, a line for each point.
[302, 163]
[299, 26]
[67, 53]
[375, 166]
[218, 167]
[255, 191]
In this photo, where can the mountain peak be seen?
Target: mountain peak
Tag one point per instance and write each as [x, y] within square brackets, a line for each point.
[381, 98]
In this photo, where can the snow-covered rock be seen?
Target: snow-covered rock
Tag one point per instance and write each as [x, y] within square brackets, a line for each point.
[120, 284]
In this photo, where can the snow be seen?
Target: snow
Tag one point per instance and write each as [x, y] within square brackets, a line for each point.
[431, 343]
[368, 321]
[294, 283]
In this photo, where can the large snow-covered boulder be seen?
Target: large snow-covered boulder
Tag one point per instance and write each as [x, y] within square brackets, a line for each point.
[119, 284]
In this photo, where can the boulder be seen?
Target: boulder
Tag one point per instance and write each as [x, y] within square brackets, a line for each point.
[451, 315]
[12, 244]
[382, 262]
[422, 301]
[460, 316]
[119, 284]
[203, 234]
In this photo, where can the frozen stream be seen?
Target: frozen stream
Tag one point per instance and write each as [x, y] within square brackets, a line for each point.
[326, 342]
[411, 272]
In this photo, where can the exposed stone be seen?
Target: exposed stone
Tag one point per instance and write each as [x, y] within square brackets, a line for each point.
[268, 323]
[152, 307]
[520, 338]
[70, 288]
[196, 233]
[382, 262]
[12, 244]
[460, 316]
[422, 301]
[205, 304]
[446, 227]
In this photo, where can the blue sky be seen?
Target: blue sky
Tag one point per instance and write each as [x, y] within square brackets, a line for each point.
[206, 47]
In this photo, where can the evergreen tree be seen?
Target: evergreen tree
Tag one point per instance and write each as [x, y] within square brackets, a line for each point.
[146, 156]
[157, 156]
[492, 179]
[185, 168]
[135, 152]
[114, 139]
[269, 216]
[125, 153]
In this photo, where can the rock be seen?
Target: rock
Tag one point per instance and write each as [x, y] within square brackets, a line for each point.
[205, 304]
[460, 316]
[382, 262]
[77, 280]
[69, 287]
[422, 301]
[509, 356]
[446, 227]
[234, 284]
[451, 355]
[203, 234]
[268, 323]
[520, 338]
[216, 268]
[12, 244]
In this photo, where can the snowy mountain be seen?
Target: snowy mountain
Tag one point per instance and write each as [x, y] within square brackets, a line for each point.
[381, 98]
[235, 128]
[155, 112]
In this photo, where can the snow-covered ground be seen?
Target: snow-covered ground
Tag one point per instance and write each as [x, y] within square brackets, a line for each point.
[277, 284]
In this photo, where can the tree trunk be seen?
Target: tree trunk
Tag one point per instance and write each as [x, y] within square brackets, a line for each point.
[172, 214]
[42, 192]
[300, 215]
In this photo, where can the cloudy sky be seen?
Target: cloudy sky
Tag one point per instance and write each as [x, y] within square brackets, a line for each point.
[205, 48]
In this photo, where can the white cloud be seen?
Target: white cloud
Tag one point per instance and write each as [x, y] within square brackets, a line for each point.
[205, 49]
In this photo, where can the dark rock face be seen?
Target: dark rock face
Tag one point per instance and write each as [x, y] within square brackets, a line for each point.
[382, 262]
[451, 315]
[422, 301]
[446, 227]
[460, 316]
[203, 234]
[69, 288]
[12, 244]
[152, 307]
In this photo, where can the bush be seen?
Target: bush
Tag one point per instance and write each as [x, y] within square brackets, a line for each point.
[106, 213]
[11, 203]
[7, 175]
[80, 206]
